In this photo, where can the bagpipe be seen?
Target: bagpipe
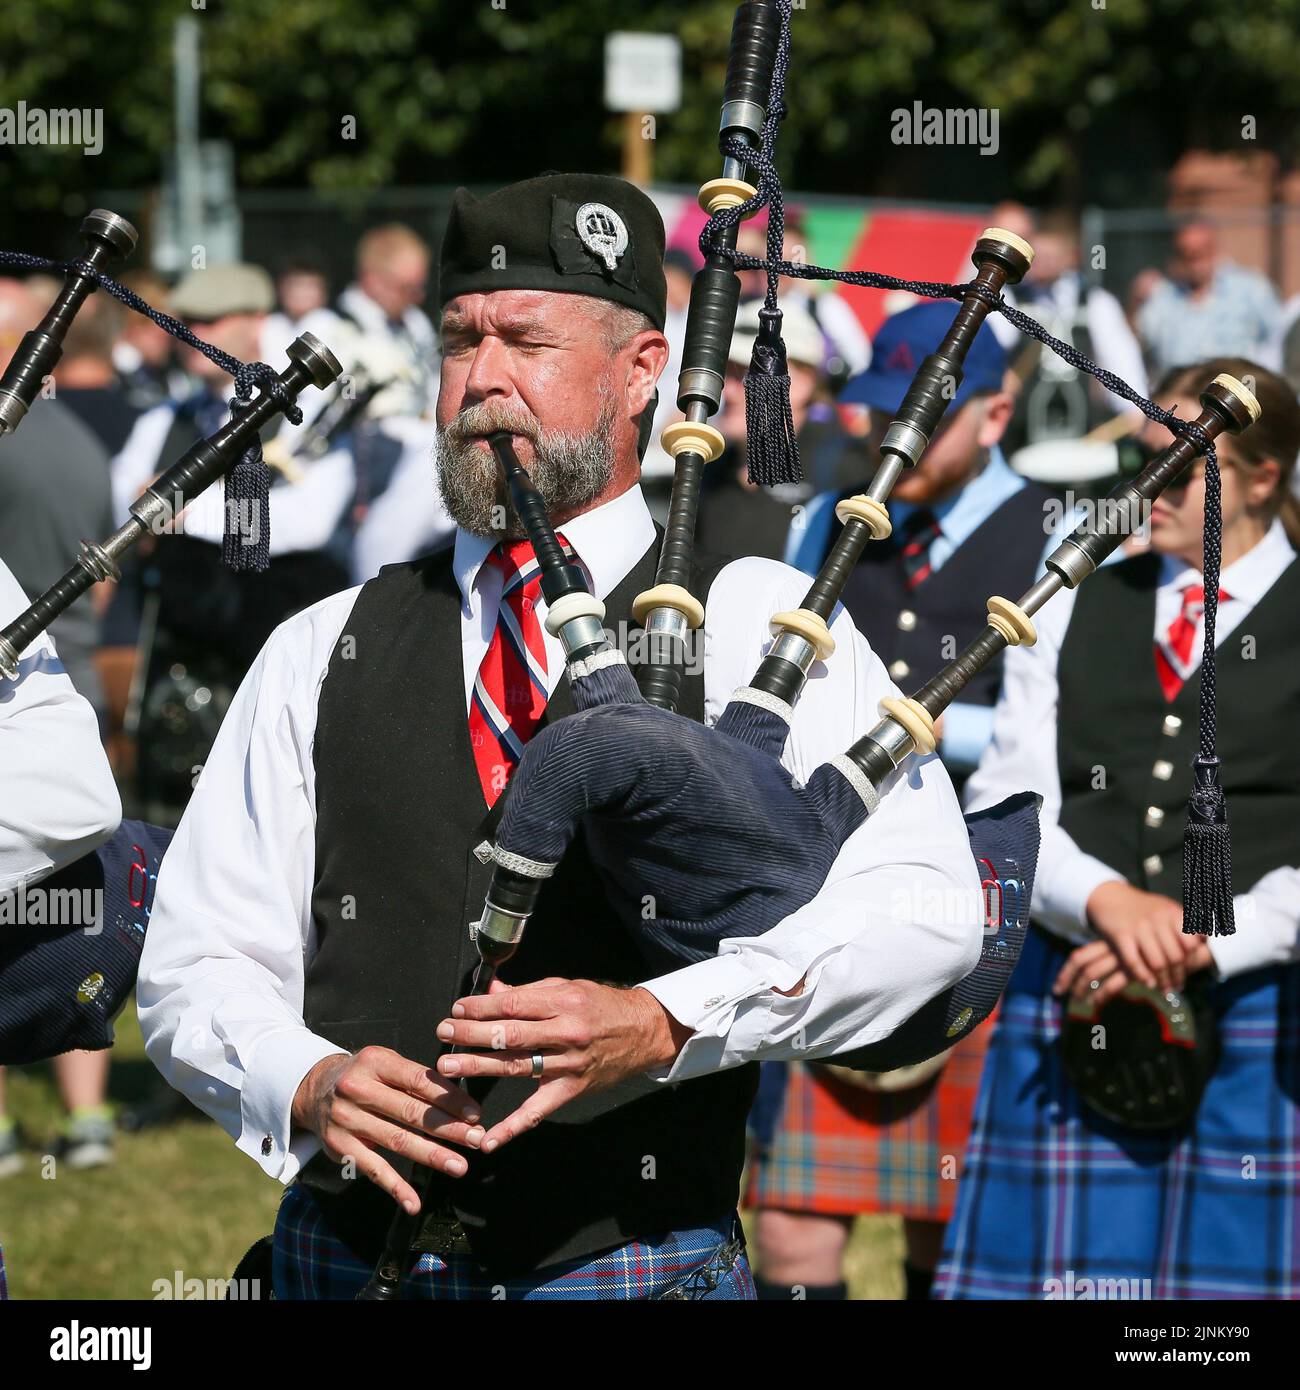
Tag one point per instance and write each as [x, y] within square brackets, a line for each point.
[70, 949]
[659, 796]
[706, 823]
[232, 452]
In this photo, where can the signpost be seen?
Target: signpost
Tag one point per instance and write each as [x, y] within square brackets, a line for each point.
[643, 78]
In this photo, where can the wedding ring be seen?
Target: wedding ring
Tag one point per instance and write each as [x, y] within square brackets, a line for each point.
[537, 1065]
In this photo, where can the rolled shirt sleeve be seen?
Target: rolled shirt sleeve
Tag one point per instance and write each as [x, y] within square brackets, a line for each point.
[58, 800]
[1268, 926]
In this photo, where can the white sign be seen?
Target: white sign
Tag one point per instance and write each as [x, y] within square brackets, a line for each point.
[643, 72]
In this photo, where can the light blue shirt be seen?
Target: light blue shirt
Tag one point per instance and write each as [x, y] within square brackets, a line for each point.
[967, 728]
[1237, 316]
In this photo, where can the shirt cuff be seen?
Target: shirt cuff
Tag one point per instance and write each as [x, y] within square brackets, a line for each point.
[1064, 912]
[1252, 947]
[266, 1103]
[703, 997]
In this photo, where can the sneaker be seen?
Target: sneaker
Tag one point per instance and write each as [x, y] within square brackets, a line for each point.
[88, 1138]
[11, 1159]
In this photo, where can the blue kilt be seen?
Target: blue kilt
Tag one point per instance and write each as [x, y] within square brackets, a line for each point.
[309, 1261]
[1054, 1199]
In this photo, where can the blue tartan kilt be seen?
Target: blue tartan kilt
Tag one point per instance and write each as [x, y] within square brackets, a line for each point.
[310, 1262]
[1054, 1199]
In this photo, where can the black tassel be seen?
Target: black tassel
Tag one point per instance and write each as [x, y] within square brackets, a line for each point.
[772, 449]
[246, 541]
[1207, 856]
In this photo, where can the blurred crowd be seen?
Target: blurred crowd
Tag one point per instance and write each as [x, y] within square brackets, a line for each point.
[160, 654]
[354, 485]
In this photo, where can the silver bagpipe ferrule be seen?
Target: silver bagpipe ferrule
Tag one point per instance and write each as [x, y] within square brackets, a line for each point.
[908, 723]
[1001, 258]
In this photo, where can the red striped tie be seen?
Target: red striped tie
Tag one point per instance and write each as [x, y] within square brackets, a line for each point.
[510, 692]
[1174, 663]
[915, 537]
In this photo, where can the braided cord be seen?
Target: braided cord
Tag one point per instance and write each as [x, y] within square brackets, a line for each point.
[247, 375]
[771, 195]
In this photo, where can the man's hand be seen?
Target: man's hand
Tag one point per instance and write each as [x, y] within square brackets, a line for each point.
[589, 1036]
[1098, 962]
[1145, 930]
[379, 1099]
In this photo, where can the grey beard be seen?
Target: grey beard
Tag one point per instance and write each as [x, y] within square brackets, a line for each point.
[569, 470]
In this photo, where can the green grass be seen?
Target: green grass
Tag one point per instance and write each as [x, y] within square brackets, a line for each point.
[181, 1197]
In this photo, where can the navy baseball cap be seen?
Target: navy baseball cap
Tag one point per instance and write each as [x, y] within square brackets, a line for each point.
[904, 341]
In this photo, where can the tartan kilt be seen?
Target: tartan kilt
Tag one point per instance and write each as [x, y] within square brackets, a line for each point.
[709, 1264]
[1054, 1195]
[840, 1150]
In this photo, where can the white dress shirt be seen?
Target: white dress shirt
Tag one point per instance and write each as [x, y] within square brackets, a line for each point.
[304, 515]
[57, 797]
[222, 978]
[1023, 754]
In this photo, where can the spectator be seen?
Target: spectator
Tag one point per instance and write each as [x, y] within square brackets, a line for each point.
[737, 517]
[302, 293]
[1057, 400]
[392, 280]
[847, 348]
[54, 491]
[1207, 306]
[86, 379]
[144, 354]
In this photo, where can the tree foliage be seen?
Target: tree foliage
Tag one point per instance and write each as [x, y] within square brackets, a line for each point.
[1091, 94]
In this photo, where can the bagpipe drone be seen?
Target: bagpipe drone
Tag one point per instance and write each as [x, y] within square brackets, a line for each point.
[659, 796]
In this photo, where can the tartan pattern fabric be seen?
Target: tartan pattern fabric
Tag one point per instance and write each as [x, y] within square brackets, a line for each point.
[1174, 660]
[308, 1261]
[1052, 1192]
[840, 1150]
[510, 691]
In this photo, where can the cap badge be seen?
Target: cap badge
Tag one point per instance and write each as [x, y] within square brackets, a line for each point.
[603, 232]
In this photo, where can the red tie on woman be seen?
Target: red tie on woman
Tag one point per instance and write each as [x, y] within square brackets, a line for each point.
[510, 692]
[1174, 663]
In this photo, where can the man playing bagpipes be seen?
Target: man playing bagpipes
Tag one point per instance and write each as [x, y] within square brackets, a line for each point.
[312, 924]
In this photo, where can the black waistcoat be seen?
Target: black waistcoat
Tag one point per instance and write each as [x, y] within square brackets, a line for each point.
[1125, 753]
[399, 876]
[910, 625]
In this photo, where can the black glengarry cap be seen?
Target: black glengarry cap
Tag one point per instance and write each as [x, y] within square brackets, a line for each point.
[589, 234]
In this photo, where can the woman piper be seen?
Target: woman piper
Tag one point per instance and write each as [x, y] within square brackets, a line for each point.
[1136, 1128]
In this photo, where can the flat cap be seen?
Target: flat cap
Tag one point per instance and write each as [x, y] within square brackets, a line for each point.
[589, 234]
[223, 289]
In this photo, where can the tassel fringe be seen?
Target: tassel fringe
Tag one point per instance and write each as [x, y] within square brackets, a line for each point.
[1207, 856]
[773, 451]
